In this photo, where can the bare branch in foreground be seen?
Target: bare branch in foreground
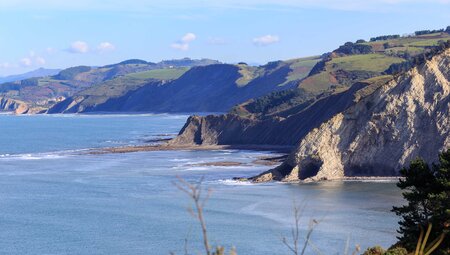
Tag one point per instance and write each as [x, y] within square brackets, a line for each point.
[194, 191]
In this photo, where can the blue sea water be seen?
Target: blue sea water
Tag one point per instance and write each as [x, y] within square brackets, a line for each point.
[56, 199]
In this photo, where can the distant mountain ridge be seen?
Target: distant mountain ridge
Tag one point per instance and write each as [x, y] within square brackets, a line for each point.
[213, 87]
[42, 92]
[40, 72]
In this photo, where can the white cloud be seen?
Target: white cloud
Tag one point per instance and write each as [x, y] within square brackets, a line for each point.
[105, 46]
[5, 65]
[50, 50]
[184, 43]
[189, 37]
[40, 61]
[78, 47]
[180, 46]
[33, 59]
[26, 62]
[265, 40]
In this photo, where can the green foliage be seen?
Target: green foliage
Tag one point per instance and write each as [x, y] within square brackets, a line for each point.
[417, 60]
[70, 73]
[160, 74]
[396, 251]
[350, 48]
[377, 250]
[365, 62]
[427, 191]
[266, 103]
[384, 37]
[30, 82]
[426, 32]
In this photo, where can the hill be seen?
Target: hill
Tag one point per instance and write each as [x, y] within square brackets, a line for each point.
[340, 92]
[41, 93]
[381, 133]
[285, 117]
[41, 72]
[215, 87]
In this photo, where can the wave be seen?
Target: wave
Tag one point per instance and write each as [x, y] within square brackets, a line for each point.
[376, 181]
[108, 115]
[230, 182]
[29, 156]
[42, 155]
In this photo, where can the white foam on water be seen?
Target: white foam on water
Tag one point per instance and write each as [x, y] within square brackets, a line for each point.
[41, 155]
[230, 182]
[179, 160]
[394, 180]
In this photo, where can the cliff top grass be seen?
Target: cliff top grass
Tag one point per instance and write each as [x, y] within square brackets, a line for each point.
[299, 69]
[115, 87]
[364, 62]
[160, 74]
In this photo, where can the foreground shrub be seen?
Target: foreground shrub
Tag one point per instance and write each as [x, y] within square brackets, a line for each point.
[427, 191]
[396, 251]
[377, 250]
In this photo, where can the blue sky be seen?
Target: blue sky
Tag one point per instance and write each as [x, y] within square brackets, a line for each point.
[59, 34]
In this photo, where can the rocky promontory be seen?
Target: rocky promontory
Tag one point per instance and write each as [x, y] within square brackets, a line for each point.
[374, 128]
[405, 118]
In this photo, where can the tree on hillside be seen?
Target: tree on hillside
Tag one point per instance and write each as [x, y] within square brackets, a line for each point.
[427, 192]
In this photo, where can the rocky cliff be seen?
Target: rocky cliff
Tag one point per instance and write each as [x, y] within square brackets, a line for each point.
[232, 129]
[11, 105]
[401, 120]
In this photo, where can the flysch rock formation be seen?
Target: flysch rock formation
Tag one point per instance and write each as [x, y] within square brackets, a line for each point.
[11, 105]
[406, 118]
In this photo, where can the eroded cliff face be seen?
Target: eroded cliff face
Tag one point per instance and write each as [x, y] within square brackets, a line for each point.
[231, 129]
[11, 105]
[405, 118]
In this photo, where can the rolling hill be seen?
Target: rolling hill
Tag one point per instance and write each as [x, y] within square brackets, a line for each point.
[41, 93]
[211, 88]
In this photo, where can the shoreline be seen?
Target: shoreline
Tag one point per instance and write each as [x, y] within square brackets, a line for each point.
[171, 147]
[271, 161]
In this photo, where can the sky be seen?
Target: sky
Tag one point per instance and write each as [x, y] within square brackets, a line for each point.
[60, 33]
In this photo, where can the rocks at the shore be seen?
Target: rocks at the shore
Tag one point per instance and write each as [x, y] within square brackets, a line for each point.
[232, 129]
[372, 129]
[406, 118]
[11, 105]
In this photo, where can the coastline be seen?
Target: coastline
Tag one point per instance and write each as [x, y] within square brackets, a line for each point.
[271, 161]
[172, 147]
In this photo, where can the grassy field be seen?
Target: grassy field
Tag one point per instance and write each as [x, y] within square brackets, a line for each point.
[160, 74]
[423, 43]
[318, 82]
[248, 73]
[365, 62]
[300, 67]
[115, 87]
[410, 49]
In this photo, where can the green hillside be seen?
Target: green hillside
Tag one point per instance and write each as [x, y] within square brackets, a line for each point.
[160, 74]
[336, 71]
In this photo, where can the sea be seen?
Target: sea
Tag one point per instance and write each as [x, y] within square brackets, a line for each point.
[58, 198]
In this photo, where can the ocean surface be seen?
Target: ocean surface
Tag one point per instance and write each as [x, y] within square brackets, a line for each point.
[57, 199]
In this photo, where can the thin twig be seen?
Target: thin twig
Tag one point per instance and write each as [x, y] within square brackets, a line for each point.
[194, 191]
